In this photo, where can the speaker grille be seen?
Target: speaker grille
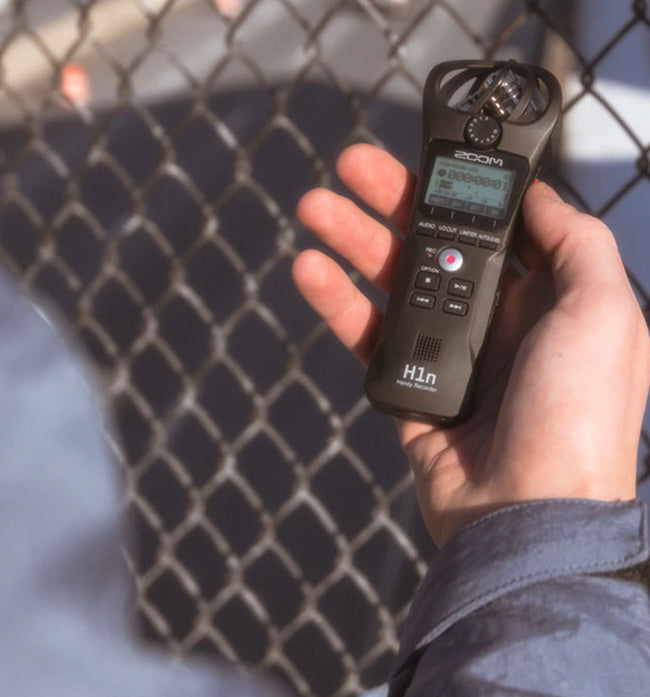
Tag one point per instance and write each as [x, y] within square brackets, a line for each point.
[427, 348]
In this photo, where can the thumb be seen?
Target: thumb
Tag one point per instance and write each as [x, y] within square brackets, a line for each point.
[580, 250]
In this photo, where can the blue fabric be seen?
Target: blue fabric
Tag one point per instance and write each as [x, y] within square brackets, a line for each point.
[64, 593]
[513, 605]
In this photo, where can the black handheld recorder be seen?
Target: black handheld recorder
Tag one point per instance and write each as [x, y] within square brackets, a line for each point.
[486, 126]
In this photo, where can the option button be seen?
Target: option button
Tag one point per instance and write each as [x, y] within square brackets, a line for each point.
[427, 281]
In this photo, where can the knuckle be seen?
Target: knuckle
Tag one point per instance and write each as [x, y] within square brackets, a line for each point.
[351, 159]
[593, 228]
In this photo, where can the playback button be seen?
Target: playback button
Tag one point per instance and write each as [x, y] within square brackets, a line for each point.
[460, 287]
[423, 300]
[455, 307]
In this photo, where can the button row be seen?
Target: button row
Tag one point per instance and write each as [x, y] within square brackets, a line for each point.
[445, 231]
[428, 302]
[442, 215]
[456, 286]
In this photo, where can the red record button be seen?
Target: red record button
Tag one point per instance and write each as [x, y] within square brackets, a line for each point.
[450, 259]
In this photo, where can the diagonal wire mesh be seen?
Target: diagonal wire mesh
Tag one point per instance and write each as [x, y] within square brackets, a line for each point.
[152, 155]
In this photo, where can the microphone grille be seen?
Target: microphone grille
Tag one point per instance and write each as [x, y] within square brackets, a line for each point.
[426, 348]
[511, 92]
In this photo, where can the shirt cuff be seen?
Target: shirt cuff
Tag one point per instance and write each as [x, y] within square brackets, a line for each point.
[517, 546]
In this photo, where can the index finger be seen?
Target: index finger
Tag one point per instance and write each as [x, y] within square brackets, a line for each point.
[379, 180]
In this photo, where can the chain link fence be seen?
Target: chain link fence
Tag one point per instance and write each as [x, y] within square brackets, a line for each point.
[152, 154]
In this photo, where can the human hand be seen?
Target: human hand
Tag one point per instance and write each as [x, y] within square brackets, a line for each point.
[561, 395]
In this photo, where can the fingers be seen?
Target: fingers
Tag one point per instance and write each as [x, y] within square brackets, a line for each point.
[580, 250]
[379, 180]
[385, 185]
[347, 311]
[343, 226]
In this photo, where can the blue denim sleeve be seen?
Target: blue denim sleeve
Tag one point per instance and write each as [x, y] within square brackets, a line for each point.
[524, 602]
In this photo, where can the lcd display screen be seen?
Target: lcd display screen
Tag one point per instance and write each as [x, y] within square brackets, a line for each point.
[467, 186]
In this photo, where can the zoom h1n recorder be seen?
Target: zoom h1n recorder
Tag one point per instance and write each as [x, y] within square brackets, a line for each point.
[486, 127]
